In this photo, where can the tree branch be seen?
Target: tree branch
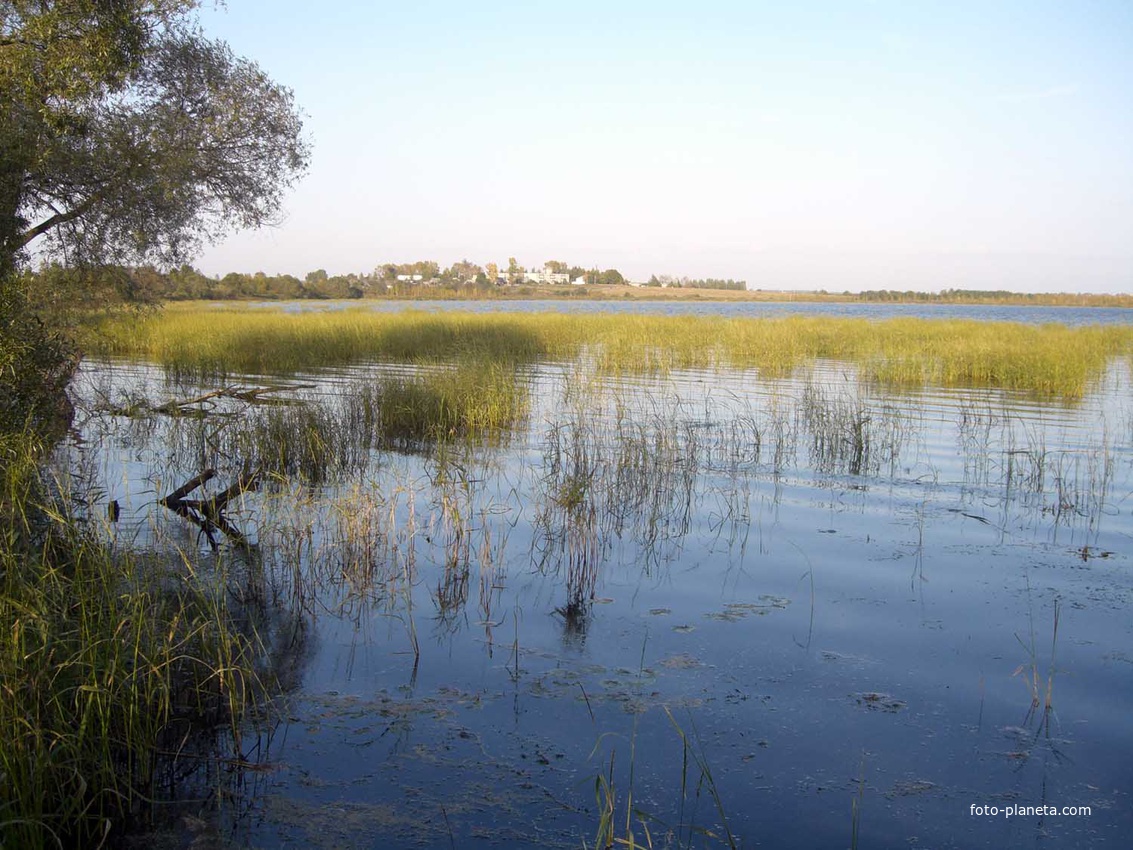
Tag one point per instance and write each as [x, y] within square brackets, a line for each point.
[55, 220]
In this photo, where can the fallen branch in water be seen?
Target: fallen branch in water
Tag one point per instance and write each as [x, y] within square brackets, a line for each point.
[205, 403]
[188, 487]
[208, 513]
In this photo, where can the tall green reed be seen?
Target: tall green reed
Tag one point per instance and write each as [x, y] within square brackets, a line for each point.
[108, 665]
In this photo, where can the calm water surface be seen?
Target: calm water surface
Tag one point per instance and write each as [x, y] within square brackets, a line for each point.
[758, 605]
[975, 312]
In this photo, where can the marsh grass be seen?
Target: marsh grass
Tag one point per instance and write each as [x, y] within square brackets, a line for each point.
[1051, 361]
[471, 401]
[622, 822]
[607, 475]
[110, 666]
[849, 434]
[856, 807]
[322, 438]
[378, 468]
[222, 342]
[1040, 688]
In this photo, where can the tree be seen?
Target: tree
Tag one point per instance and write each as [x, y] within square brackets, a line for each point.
[514, 271]
[127, 136]
[609, 277]
[187, 282]
[464, 271]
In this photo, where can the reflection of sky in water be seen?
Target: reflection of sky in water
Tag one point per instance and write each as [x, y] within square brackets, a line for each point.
[823, 581]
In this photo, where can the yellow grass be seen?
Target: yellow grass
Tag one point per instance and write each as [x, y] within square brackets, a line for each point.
[1048, 360]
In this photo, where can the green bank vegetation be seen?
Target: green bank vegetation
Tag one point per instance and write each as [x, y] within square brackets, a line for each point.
[1053, 361]
[128, 137]
[110, 666]
[64, 288]
[997, 297]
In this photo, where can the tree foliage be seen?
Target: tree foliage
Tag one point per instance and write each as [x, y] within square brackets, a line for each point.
[697, 283]
[35, 366]
[128, 136]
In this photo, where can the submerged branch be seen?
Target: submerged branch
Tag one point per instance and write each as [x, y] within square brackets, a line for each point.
[208, 513]
[188, 487]
[190, 406]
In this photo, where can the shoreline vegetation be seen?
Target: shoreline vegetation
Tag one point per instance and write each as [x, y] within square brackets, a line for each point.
[57, 287]
[1052, 361]
[629, 292]
[121, 673]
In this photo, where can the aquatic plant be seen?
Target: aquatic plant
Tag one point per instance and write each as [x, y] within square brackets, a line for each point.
[108, 663]
[1047, 360]
[622, 822]
[848, 433]
[1041, 689]
[470, 401]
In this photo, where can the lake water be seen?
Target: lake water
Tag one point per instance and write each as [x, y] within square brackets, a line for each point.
[771, 612]
[739, 309]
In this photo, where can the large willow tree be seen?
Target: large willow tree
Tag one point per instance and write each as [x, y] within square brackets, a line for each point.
[127, 136]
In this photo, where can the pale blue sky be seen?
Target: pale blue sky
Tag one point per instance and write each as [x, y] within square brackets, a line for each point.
[836, 145]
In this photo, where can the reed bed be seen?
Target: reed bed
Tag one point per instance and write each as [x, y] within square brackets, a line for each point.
[109, 667]
[228, 341]
[1047, 360]
[467, 402]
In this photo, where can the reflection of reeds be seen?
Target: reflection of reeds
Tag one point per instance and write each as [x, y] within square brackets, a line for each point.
[324, 437]
[1068, 485]
[492, 576]
[975, 426]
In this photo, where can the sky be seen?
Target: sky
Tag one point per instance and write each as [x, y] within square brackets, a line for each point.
[806, 145]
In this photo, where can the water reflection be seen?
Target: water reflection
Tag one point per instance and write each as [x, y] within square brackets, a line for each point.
[801, 569]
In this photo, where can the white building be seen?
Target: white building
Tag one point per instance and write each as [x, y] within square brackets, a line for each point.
[546, 276]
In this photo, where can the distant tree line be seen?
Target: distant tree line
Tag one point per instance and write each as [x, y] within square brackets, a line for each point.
[83, 289]
[697, 283]
[61, 291]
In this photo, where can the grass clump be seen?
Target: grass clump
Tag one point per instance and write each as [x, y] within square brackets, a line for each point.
[226, 341]
[412, 410]
[105, 672]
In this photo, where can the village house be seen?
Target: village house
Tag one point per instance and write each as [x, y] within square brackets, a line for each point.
[545, 275]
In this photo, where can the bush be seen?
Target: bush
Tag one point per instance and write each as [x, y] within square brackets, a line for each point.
[36, 364]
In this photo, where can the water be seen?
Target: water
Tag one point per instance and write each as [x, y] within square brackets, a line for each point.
[1073, 316]
[770, 601]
